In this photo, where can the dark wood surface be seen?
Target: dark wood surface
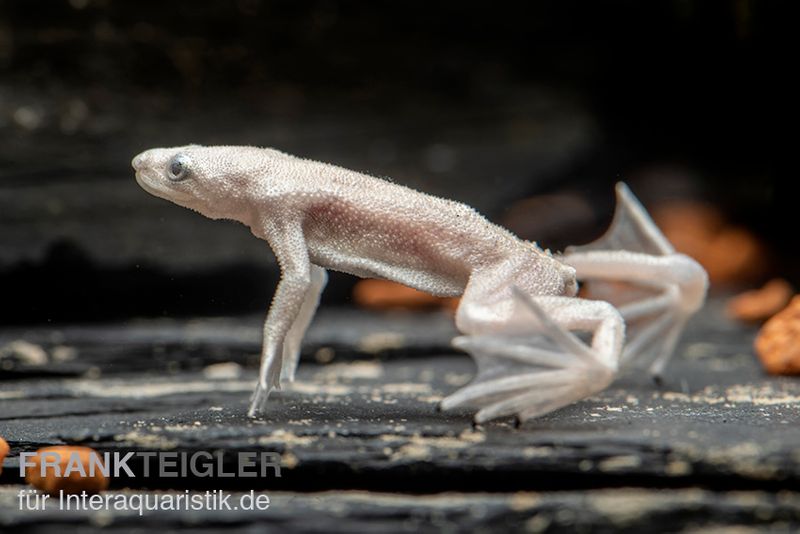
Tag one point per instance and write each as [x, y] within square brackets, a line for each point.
[360, 439]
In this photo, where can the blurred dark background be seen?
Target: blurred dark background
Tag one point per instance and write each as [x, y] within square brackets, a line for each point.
[528, 111]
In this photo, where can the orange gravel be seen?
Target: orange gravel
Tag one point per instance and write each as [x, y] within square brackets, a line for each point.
[730, 254]
[778, 342]
[4, 448]
[387, 295]
[760, 304]
[74, 481]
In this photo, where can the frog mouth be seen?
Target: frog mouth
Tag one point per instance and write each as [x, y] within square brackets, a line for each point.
[147, 183]
[154, 187]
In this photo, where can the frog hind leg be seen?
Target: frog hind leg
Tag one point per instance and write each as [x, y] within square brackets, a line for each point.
[531, 362]
[634, 267]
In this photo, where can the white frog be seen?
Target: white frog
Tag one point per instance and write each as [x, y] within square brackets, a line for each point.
[538, 347]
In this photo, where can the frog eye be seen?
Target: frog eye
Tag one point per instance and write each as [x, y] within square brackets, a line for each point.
[178, 168]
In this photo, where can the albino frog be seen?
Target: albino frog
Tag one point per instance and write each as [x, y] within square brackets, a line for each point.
[519, 313]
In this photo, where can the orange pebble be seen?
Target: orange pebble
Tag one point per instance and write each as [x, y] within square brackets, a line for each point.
[760, 304]
[730, 254]
[4, 448]
[688, 225]
[386, 295]
[778, 342]
[734, 256]
[67, 468]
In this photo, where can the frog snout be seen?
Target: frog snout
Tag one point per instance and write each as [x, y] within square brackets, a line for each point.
[136, 162]
[140, 161]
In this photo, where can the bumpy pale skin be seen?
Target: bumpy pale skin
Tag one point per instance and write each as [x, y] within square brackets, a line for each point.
[518, 309]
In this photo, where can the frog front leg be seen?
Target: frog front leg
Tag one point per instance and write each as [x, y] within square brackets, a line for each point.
[291, 310]
[294, 338]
